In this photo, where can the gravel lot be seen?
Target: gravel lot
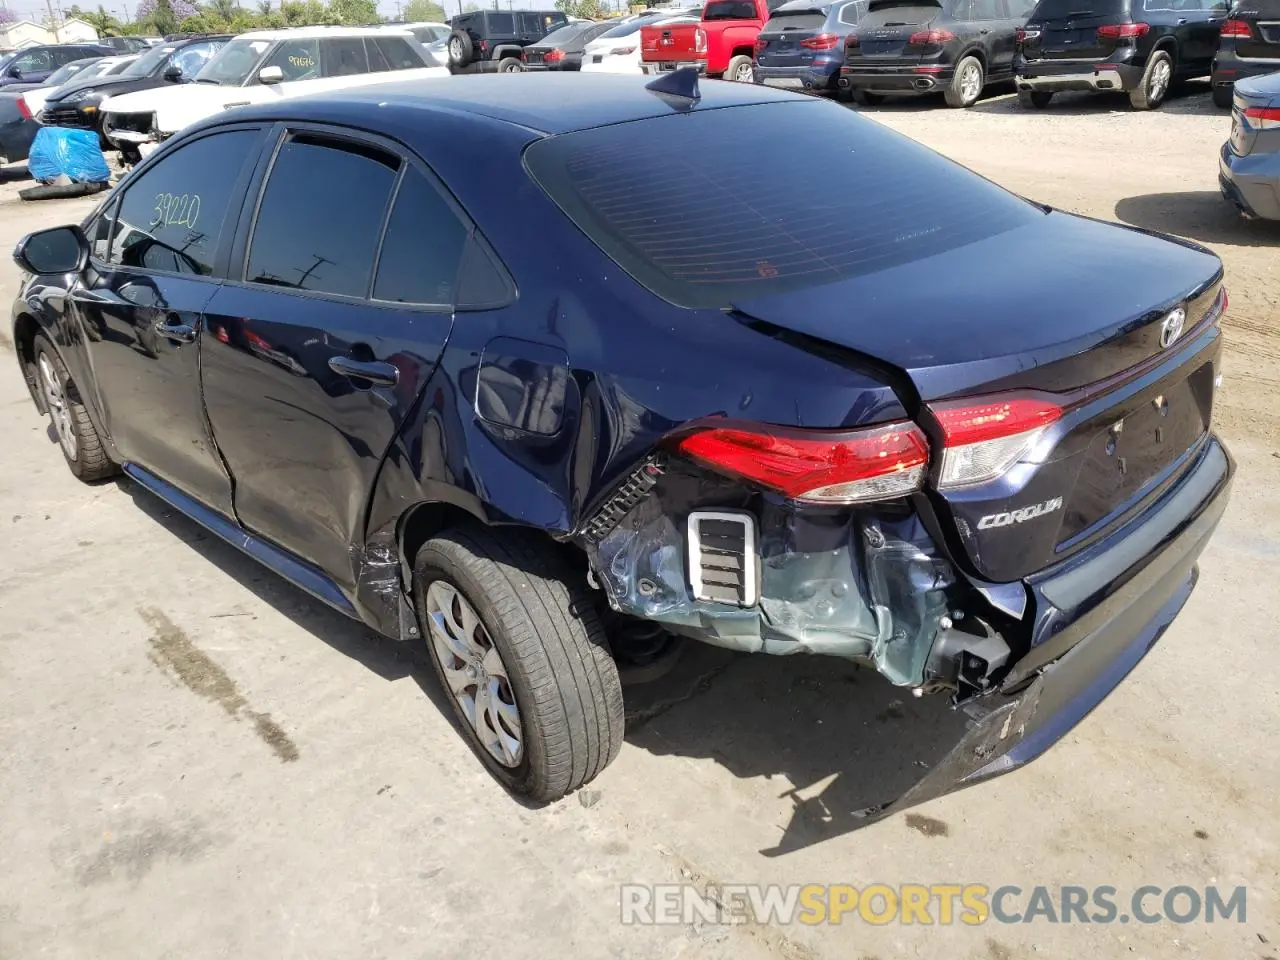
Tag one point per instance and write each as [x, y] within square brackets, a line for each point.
[199, 761]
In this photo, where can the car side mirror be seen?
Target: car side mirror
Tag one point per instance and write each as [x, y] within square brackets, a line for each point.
[57, 250]
[173, 73]
[271, 75]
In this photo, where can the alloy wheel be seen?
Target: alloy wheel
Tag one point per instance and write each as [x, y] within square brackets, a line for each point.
[55, 398]
[744, 74]
[455, 50]
[474, 671]
[1159, 81]
[971, 82]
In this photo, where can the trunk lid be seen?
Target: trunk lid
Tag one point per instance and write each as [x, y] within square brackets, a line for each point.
[1068, 29]
[1248, 135]
[1263, 18]
[781, 42]
[673, 41]
[1094, 327]
[885, 31]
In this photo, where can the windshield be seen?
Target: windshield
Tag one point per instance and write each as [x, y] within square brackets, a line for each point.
[146, 64]
[69, 70]
[563, 35]
[425, 35]
[234, 63]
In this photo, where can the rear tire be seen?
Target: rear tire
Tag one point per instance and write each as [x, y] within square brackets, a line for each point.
[1154, 85]
[740, 70]
[461, 50]
[966, 84]
[535, 627]
[1223, 96]
[510, 65]
[82, 448]
[1034, 99]
[865, 98]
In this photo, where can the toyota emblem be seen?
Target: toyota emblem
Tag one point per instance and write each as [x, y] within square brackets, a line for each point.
[1171, 327]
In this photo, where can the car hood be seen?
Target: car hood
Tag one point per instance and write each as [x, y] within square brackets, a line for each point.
[182, 96]
[104, 84]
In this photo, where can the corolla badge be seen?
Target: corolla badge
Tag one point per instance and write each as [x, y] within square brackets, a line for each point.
[1171, 327]
[1020, 516]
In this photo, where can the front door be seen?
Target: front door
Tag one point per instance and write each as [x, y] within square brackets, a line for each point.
[314, 361]
[154, 267]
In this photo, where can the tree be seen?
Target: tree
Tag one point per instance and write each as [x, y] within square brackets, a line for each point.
[424, 10]
[264, 9]
[223, 10]
[587, 9]
[7, 15]
[163, 16]
[100, 20]
[355, 11]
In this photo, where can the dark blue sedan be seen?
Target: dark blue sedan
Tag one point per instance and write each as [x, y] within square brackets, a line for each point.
[530, 371]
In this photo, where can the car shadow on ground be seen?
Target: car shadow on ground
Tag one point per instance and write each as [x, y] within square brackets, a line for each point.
[1188, 99]
[837, 739]
[1201, 215]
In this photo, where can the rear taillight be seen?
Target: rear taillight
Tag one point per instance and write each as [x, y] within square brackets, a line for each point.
[1237, 28]
[554, 56]
[1023, 34]
[24, 110]
[761, 43]
[484, 46]
[930, 38]
[877, 463]
[700, 41]
[1263, 118]
[983, 437]
[823, 41]
[1122, 31]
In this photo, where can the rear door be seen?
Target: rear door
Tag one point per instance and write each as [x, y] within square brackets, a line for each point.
[1068, 29]
[320, 342]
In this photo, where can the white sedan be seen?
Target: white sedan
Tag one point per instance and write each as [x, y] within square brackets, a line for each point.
[618, 50]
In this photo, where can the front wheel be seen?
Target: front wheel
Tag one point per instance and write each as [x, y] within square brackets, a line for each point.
[81, 446]
[967, 83]
[740, 70]
[1151, 90]
[510, 65]
[519, 648]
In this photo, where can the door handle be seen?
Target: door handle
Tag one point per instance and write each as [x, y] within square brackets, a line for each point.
[97, 298]
[375, 371]
[177, 332]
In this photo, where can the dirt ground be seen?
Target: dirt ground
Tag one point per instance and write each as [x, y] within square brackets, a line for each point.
[199, 761]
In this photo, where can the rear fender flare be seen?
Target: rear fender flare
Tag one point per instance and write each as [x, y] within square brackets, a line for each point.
[1170, 46]
[506, 50]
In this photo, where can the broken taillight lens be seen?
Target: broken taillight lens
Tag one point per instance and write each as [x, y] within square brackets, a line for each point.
[877, 463]
[983, 437]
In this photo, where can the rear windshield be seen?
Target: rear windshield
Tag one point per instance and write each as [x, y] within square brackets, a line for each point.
[677, 203]
[898, 14]
[1065, 9]
[563, 35]
[729, 10]
[797, 19]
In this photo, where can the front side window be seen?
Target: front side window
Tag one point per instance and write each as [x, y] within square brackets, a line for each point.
[234, 64]
[172, 216]
[33, 61]
[422, 246]
[151, 61]
[329, 246]
[192, 58]
[344, 57]
[297, 59]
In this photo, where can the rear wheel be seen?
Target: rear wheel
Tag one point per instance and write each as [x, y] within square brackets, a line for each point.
[740, 70]
[516, 641]
[867, 99]
[1034, 99]
[510, 65]
[967, 83]
[1151, 90]
[82, 448]
[1223, 95]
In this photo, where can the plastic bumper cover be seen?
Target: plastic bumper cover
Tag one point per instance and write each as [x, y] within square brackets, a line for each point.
[1251, 182]
[1051, 77]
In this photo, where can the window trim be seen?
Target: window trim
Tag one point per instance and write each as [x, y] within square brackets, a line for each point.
[222, 255]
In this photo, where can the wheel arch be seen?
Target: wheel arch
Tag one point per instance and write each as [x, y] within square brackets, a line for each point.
[25, 329]
[978, 53]
[1170, 46]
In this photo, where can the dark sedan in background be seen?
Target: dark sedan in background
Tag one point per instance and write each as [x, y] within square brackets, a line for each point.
[914, 47]
[1249, 46]
[801, 47]
[562, 49]
[35, 64]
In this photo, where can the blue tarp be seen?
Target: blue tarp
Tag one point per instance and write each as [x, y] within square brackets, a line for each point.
[57, 150]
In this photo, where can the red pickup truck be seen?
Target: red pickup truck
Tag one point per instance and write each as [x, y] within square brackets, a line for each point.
[722, 45]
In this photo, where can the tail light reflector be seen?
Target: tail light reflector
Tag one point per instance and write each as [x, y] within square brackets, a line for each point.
[1122, 31]
[1237, 28]
[1263, 118]
[930, 38]
[700, 41]
[24, 110]
[877, 463]
[983, 437]
[823, 41]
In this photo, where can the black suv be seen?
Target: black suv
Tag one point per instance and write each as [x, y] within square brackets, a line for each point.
[1139, 46]
[916, 47]
[1249, 47]
[489, 41]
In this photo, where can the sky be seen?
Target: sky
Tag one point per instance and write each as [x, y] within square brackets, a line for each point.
[37, 11]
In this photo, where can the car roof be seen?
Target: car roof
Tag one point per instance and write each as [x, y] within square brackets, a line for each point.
[547, 103]
[308, 33]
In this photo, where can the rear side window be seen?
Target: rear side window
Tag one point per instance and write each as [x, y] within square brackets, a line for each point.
[729, 10]
[703, 224]
[344, 57]
[393, 53]
[173, 213]
[502, 23]
[422, 246]
[327, 246]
